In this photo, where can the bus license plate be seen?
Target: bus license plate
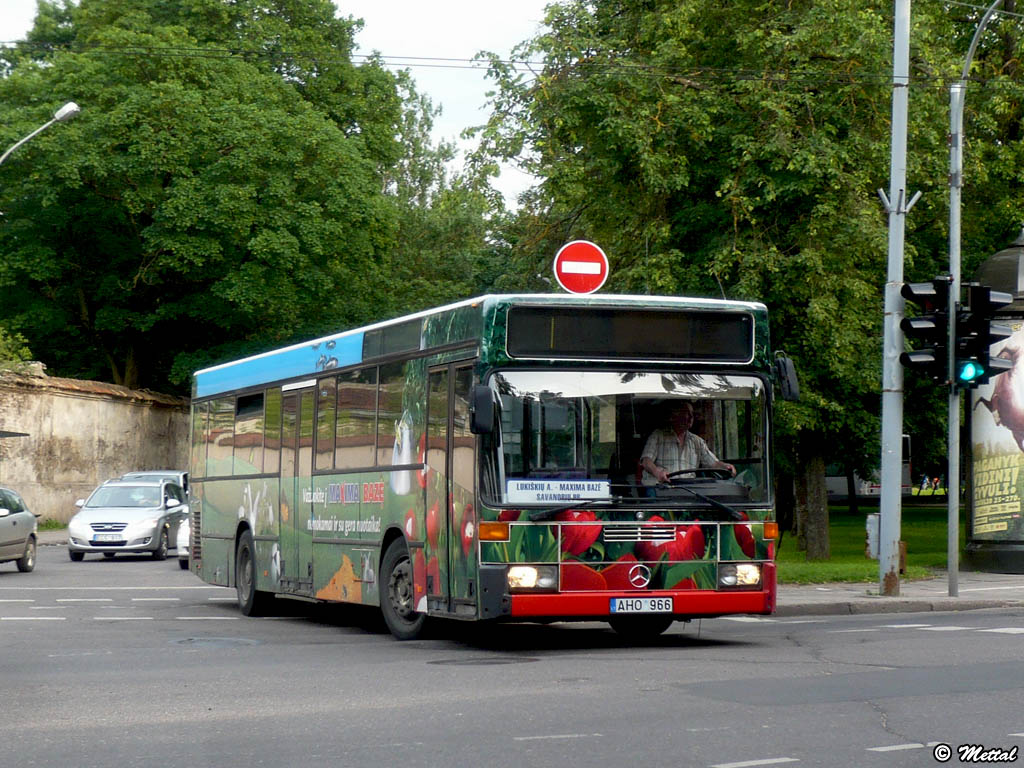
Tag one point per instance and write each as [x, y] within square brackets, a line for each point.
[106, 537]
[641, 605]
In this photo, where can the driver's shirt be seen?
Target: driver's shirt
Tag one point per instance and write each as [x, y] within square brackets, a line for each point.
[665, 450]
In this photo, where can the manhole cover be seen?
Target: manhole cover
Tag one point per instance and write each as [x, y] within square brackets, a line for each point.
[486, 661]
[216, 642]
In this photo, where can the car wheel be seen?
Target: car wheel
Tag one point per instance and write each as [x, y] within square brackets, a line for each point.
[28, 561]
[109, 555]
[76, 556]
[251, 601]
[640, 627]
[397, 603]
[183, 564]
[160, 553]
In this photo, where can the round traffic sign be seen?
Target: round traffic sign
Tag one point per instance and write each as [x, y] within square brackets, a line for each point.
[581, 267]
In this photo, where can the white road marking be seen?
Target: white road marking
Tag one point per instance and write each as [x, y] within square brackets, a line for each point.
[85, 599]
[750, 763]
[156, 599]
[895, 747]
[122, 618]
[556, 736]
[904, 626]
[944, 629]
[32, 618]
[18, 600]
[207, 618]
[850, 631]
[750, 619]
[1005, 630]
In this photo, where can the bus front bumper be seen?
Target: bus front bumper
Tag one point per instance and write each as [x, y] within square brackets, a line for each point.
[686, 604]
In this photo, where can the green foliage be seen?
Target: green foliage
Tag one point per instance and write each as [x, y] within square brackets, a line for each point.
[735, 150]
[233, 183]
[14, 352]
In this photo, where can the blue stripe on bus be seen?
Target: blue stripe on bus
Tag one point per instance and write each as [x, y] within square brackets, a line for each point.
[289, 363]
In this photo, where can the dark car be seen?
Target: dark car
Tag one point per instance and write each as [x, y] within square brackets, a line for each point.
[18, 531]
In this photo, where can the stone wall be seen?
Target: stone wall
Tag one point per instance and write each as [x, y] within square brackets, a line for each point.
[80, 433]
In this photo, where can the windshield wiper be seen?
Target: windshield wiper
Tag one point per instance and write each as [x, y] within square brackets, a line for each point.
[733, 513]
[547, 514]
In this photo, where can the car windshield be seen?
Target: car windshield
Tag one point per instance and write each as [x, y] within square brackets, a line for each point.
[125, 496]
[573, 435]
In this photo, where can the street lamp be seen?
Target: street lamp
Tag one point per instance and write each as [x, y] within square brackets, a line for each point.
[66, 112]
[957, 92]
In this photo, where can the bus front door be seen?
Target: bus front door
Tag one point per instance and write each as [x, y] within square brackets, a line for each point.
[451, 456]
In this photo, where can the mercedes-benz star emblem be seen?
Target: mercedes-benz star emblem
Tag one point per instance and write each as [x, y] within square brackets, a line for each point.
[639, 576]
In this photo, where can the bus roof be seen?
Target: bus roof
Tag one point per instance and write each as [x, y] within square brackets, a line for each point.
[347, 348]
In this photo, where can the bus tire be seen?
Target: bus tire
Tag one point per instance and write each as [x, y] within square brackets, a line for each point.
[251, 601]
[640, 627]
[397, 601]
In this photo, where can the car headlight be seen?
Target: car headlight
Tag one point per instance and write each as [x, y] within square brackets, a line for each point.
[739, 575]
[532, 577]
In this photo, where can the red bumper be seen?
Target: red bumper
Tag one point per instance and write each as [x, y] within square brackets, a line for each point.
[689, 603]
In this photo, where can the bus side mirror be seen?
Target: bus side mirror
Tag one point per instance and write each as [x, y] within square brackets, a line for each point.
[786, 373]
[481, 420]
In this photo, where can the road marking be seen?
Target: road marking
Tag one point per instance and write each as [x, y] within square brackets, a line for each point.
[18, 600]
[85, 599]
[751, 619]
[32, 618]
[1005, 630]
[850, 631]
[222, 599]
[207, 618]
[944, 629]
[895, 747]
[750, 763]
[905, 626]
[557, 736]
[122, 618]
[156, 599]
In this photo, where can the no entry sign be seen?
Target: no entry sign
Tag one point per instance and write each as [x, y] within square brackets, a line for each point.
[581, 267]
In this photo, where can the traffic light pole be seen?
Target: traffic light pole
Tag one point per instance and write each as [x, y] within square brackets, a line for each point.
[956, 123]
[892, 373]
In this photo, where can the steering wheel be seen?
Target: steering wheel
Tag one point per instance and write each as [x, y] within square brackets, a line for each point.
[716, 472]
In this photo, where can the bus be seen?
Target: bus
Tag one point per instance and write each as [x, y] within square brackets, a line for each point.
[481, 461]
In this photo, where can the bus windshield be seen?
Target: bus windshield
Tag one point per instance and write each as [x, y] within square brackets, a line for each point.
[580, 435]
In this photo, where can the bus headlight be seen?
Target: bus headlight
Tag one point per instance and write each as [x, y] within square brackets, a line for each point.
[535, 577]
[739, 575]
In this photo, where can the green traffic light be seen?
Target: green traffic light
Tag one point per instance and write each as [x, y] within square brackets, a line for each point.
[970, 371]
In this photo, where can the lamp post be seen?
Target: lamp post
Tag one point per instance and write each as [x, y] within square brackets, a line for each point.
[957, 92]
[66, 112]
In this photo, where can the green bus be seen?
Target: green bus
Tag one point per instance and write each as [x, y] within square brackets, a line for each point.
[481, 461]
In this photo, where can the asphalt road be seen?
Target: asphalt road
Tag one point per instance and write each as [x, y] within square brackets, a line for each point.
[131, 662]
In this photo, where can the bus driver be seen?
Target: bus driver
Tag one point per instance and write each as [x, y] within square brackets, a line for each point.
[674, 448]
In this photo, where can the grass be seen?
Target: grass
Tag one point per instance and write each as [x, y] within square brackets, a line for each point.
[923, 528]
[48, 524]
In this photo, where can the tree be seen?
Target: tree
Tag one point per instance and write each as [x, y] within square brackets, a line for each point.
[230, 185]
[734, 150]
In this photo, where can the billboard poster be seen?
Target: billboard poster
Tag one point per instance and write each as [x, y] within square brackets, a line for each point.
[997, 446]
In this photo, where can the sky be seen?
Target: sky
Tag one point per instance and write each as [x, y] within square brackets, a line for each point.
[402, 30]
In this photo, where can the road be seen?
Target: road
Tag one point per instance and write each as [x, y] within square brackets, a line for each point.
[132, 662]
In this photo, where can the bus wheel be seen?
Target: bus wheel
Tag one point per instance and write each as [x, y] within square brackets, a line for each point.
[640, 627]
[251, 601]
[397, 603]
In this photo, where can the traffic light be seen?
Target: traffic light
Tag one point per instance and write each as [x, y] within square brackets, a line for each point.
[976, 333]
[930, 328]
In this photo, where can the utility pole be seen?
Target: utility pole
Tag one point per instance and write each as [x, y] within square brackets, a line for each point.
[892, 374]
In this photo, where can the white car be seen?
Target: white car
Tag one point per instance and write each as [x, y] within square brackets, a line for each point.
[182, 544]
[130, 516]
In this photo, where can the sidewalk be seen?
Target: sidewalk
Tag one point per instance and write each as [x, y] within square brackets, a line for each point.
[976, 590]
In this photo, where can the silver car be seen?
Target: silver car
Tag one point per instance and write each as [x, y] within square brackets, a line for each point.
[18, 531]
[182, 544]
[129, 516]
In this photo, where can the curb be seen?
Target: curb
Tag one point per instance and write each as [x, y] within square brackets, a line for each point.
[891, 605]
